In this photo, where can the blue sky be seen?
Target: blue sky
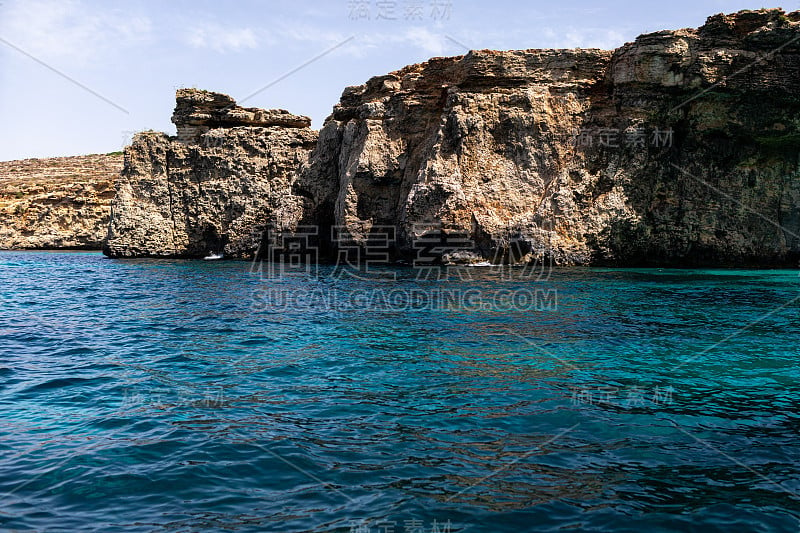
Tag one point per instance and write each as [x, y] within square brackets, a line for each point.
[124, 60]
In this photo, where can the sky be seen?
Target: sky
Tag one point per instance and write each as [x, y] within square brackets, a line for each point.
[81, 76]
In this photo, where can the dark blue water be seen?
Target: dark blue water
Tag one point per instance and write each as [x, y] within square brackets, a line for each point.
[176, 396]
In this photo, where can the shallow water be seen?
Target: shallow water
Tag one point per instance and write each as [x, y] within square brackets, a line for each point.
[173, 396]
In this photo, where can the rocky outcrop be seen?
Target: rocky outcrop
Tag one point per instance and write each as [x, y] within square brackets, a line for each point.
[479, 144]
[682, 148]
[58, 202]
[212, 189]
[197, 112]
[726, 189]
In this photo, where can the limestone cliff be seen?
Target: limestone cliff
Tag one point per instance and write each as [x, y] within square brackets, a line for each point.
[726, 190]
[479, 143]
[214, 187]
[58, 202]
[680, 148]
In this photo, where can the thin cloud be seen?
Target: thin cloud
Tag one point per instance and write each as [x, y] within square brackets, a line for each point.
[223, 39]
[430, 42]
[293, 33]
[545, 38]
[70, 32]
[592, 38]
[281, 35]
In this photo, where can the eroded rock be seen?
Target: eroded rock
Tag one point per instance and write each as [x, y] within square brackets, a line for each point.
[58, 202]
[198, 111]
[215, 188]
[681, 148]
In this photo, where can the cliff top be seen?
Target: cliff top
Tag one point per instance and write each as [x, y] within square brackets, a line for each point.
[57, 202]
[197, 111]
[746, 22]
[763, 30]
[84, 168]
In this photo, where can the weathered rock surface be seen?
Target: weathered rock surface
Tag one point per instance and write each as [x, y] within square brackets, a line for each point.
[197, 112]
[682, 148]
[56, 203]
[727, 190]
[479, 143]
[211, 192]
[679, 148]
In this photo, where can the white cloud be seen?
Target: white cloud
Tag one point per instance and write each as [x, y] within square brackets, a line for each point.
[69, 32]
[433, 43]
[416, 38]
[427, 41]
[587, 38]
[308, 33]
[221, 38]
[539, 37]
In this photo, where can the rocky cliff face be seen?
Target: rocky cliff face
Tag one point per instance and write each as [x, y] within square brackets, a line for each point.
[726, 189]
[56, 203]
[212, 189]
[479, 144]
[681, 148]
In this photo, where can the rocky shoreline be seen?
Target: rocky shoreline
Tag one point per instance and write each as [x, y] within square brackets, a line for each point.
[679, 149]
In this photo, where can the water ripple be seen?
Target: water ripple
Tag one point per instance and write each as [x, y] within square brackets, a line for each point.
[156, 396]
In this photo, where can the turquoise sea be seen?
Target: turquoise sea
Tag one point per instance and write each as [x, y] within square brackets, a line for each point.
[152, 395]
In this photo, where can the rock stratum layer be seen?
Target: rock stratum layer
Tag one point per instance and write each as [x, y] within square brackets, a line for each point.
[57, 203]
[681, 148]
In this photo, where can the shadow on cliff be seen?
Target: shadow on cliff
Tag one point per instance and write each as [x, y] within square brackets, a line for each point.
[725, 190]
